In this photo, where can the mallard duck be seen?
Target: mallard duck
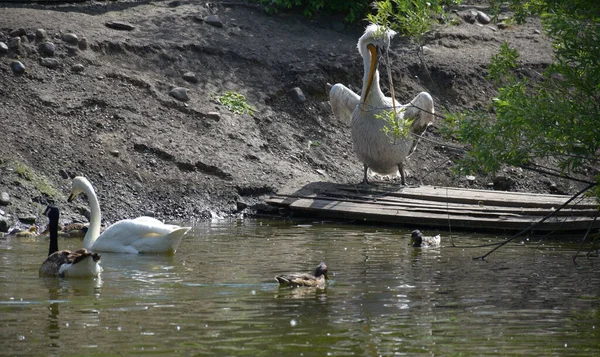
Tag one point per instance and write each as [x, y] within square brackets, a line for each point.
[376, 150]
[64, 263]
[305, 279]
[139, 235]
[418, 240]
[31, 232]
[71, 230]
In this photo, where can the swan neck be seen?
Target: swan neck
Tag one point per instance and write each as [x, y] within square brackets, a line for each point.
[95, 218]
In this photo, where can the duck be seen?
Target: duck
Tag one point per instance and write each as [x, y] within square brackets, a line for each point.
[377, 150]
[304, 279]
[29, 233]
[71, 230]
[64, 263]
[418, 240]
[133, 236]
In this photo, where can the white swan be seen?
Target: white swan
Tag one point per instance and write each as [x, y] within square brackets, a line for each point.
[78, 264]
[373, 147]
[139, 235]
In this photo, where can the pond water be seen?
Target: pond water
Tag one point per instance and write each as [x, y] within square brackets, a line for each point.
[217, 296]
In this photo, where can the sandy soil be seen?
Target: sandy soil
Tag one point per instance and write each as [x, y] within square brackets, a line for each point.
[149, 153]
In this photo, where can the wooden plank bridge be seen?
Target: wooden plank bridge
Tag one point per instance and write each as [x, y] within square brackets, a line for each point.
[442, 207]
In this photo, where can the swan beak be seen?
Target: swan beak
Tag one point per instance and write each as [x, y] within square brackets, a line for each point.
[372, 68]
[71, 198]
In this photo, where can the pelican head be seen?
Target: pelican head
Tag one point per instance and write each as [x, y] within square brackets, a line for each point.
[371, 44]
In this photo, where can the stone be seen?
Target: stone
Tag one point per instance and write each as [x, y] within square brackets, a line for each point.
[27, 218]
[240, 206]
[502, 26]
[216, 116]
[17, 32]
[70, 38]
[214, 20]
[115, 153]
[483, 18]
[4, 199]
[180, 93]
[40, 34]
[47, 48]
[83, 44]
[17, 67]
[3, 48]
[503, 183]
[120, 25]
[77, 68]
[297, 95]
[14, 43]
[50, 62]
[4, 224]
[190, 77]
[469, 16]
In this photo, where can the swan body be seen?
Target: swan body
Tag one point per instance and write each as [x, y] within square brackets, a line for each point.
[304, 279]
[379, 152]
[418, 240]
[64, 263]
[139, 235]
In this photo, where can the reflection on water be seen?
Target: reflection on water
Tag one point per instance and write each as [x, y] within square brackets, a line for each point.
[218, 296]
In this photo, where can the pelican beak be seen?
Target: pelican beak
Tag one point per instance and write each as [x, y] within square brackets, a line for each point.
[374, 60]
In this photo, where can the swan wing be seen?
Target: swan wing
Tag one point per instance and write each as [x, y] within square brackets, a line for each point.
[343, 102]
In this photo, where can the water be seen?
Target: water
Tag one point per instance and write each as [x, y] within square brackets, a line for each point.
[217, 296]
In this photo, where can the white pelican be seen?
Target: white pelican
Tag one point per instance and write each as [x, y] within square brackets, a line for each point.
[418, 240]
[78, 264]
[139, 235]
[374, 148]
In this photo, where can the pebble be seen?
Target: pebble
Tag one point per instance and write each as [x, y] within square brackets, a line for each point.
[4, 199]
[17, 32]
[49, 62]
[3, 48]
[214, 20]
[115, 153]
[483, 18]
[14, 43]
[83, 44]
[17, 67]
[297, 95]
[71, 38]
[27, 218]
[40, 34]
[216, 116]
[180, 93]
[502, 26]
[77, 68]
[47, 48]
[190, 77]
[120, 25]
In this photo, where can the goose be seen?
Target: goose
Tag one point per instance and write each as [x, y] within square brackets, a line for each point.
[304, 279]
[64, 263]
[134, 236]
[419, 241]
[376, 150]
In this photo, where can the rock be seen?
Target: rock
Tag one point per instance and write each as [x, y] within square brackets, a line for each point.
[470, 179]
[115, 153]
[17, 32]
[27, 218]
[120, 25]
[4, 224]
[190, 77]
[50, 62]
[47, 48]
[149, 213]
[83, 44]
[70, 38]
[240, 206]
[180, 93]
[297, 95]
[14, 43]
[469, 16]
[503, 183]
[502, 25]
[216, 116]
[4, 199]
[40, 34]
[17, 67]
[77, 68]
[483, 18]
[3, 48]
[214, 20]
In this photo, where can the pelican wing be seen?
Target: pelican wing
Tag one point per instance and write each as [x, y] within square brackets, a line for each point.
[343, 102]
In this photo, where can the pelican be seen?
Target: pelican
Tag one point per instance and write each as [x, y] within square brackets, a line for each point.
[377, 151]
[80, 263]
[417, 240]
[304, 279]
[139, 235]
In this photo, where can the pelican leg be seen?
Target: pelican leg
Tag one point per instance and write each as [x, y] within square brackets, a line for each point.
[402, 174]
